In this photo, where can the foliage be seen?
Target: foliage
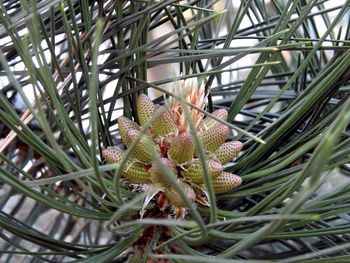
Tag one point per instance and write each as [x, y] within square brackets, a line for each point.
[68, 68]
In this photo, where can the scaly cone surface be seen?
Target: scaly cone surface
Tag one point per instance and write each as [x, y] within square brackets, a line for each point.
[156, 172]
[210, 122]
[163, 125]
[175, 198]
[136, 172]
[194, 172]
[112, 154]
[145, 108]
[182, 148]
[226, 182]
[169, 139]
[141, 151]
[228, 151]
[125, 125]
[214, 137]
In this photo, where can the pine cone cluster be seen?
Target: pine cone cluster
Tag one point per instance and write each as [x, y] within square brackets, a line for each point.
[170, 138]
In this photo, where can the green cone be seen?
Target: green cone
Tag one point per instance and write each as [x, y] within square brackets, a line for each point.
[112, 154]
[194, 172]
[145, 108]
[136, 173]
[182, 148]
[157, 175]
[228, 151]
[142, 152]
[164, 124]
[208, 122]
[214, 137]
[226, 182]
[124, 125]
[175, 198]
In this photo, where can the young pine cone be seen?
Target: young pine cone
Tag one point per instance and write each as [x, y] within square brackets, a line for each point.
[171, 139]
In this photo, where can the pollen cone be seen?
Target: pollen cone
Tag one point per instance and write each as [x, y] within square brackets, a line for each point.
[214, 137]
[125, 125]
[164, 124]
[157, 175]
[226, 182]
[136, 172]
[142, 152]
[145, 108]
[209, 122]
[194, 172]
[112, 154]
[175, 198]
[228, 151]
[182, 148]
